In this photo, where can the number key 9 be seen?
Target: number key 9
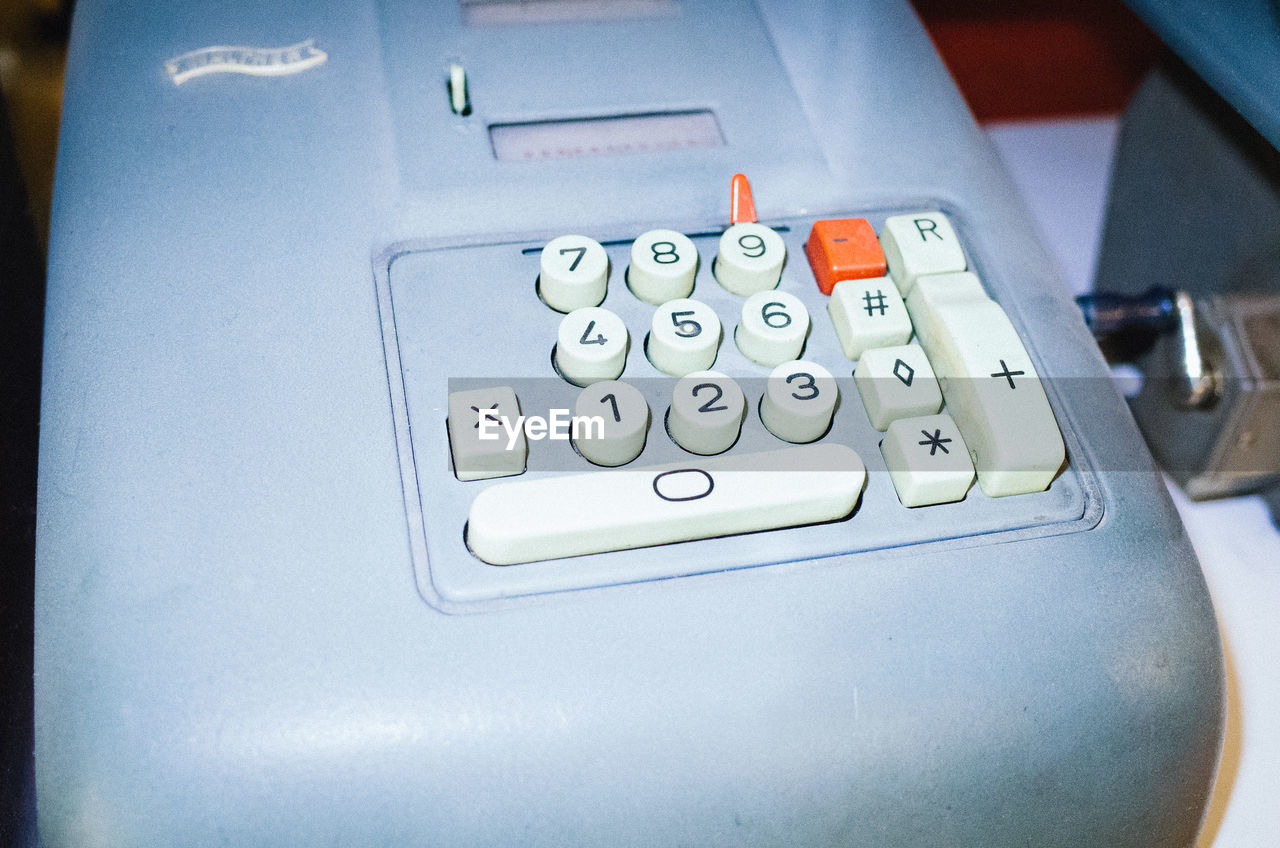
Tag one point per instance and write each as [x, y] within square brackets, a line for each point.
[750, 259]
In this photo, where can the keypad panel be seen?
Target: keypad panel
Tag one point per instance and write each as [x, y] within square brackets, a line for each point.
[444, 348]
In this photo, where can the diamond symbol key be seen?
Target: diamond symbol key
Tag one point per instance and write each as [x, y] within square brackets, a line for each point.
[904, 372]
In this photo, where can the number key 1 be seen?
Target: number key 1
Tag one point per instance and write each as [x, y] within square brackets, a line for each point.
[616, 417]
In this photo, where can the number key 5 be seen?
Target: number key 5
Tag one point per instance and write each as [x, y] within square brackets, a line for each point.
[685, 337]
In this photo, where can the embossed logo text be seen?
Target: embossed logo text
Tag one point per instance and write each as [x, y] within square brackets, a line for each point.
[258, 61]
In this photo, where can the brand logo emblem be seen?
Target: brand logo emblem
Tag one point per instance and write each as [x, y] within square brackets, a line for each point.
[257, 61]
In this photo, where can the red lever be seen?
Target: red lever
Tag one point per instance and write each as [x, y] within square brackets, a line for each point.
[742, 209]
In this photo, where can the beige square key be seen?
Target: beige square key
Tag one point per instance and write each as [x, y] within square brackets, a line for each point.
[896, 382]
[868, 314]
[927, 460]
[918, 244]
[486, 436]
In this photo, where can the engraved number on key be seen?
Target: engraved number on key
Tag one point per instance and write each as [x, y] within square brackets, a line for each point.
[688, 328]
[778, 318]
[613, 401]
[752, 242]
[707, 407]
[581, 251]
[811, 386]
[599, 339]
[710, 484]
[667, 256]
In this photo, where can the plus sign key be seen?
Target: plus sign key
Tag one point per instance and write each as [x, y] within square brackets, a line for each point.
[989, 383]
[928, 460]
[868, 314]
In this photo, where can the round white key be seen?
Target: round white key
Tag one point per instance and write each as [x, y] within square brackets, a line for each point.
[591, 346]
[684, 338]
[624, 416]
[798, 401]
[750, 259]
[573, 273]
[773, 327]
[706, 413]
[663, 265]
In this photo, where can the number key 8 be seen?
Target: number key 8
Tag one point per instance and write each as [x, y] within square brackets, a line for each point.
[663, 265]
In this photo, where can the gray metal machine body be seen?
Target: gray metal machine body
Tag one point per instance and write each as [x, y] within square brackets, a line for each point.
[1195, 205]
[240, 636]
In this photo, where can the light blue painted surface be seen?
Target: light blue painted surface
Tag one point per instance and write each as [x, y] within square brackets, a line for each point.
[231, 647]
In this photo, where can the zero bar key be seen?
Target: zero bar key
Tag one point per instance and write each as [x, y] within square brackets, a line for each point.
[604, 511]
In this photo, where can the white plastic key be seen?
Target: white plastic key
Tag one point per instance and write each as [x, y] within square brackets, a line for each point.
[896, 382]
[663, 266]
[591, 346]
[799, 400]
[555, 517]
[624, 423]
[750, 259]
[684, 337]
[917, 244]
[868, 314]
[706, 412]
[772, 328]
[573, 273]
[991, 388]
[928, 460]
[476, 414]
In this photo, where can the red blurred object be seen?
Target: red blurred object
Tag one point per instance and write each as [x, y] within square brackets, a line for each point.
[1038, 59]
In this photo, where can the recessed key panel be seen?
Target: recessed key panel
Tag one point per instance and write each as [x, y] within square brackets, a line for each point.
[467, 317]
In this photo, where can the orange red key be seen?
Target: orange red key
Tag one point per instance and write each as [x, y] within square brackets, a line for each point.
[843, 249]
